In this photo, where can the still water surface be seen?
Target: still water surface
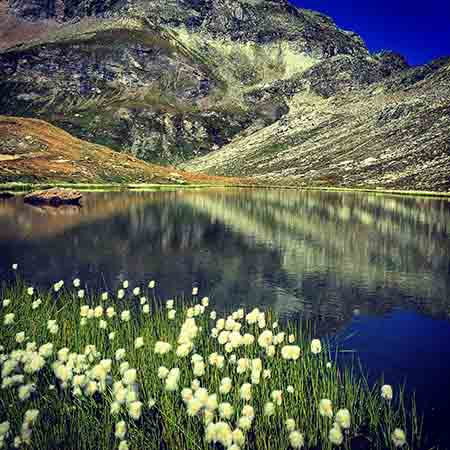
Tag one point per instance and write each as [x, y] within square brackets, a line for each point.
[373, 269]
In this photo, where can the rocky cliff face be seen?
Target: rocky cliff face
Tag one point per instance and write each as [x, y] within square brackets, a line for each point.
[174, 80]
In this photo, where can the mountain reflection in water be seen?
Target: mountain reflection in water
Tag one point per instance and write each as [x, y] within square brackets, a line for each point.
[323, 255]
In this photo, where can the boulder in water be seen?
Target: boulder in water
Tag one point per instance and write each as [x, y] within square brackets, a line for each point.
[54, 197]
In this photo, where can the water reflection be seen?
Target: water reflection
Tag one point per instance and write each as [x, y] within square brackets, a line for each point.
[323, 255]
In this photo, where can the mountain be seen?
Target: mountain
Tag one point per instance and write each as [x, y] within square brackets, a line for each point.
[32, 150]
[193, 82]
[393, 134]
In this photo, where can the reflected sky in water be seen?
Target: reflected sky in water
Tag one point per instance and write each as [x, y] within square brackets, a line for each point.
[372, 269]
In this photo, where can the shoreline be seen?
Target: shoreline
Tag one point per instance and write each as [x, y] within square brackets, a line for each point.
[105, 187]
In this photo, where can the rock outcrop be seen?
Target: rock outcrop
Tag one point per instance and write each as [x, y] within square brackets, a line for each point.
[54, 197]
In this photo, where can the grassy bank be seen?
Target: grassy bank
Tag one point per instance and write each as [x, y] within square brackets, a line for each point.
[126, 370]
[26, 187]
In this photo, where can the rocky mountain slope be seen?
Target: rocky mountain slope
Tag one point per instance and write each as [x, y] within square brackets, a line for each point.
[270, 89]
[166, 80]
[391, 134]
[34, 151]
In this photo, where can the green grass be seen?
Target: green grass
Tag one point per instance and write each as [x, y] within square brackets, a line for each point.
[25, 187]
[85, 421]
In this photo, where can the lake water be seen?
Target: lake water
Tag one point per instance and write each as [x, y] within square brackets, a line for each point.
[374, 270]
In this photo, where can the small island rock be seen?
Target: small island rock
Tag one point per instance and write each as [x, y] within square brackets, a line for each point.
[54, 197]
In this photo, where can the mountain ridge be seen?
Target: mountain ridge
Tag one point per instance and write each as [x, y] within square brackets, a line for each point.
[171, 82]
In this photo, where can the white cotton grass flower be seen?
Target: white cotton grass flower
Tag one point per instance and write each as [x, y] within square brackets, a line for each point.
[136, 291]
[343, 418]
[245, 423]
[398, 437]
[143, 301]
[248, 411]
[146, 309]
[162, 348]
[316, 346]
[36, 303]
[98, 311]
[129, 376]
[163, 372]
[120, 354]
[386, 392]
[238, 437]
[24, 392]
[120, 430]
[290, 425]
[194, 290]
[194, 406]
[104, 296]
[335, 435]
[76, 282]
[290, 389]
[125, 284]
[52, 326]
[30, 291]
[120, 294]
[172, 379]
[152, 284]
[226, 410]
[265, 339]
[296, 439]
[186, 394]
[170, 304]
[225, 386]
[246, 392]
[57, 286]
[269, 409]
[291, 339]
[20, 337]
[171, 314]
[290, 352]
[125, 316]
[135, 410]
[6, 302]
[9, 319]
[326, 407]
[277, 397]
[15, 266]
[81, 293]
[138, 342]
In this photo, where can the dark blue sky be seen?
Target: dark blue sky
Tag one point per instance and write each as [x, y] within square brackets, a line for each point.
[418, 30]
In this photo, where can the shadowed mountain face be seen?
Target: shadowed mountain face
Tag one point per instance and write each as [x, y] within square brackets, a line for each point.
[171, 81]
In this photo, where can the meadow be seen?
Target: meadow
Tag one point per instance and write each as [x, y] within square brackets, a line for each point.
[128, 370]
